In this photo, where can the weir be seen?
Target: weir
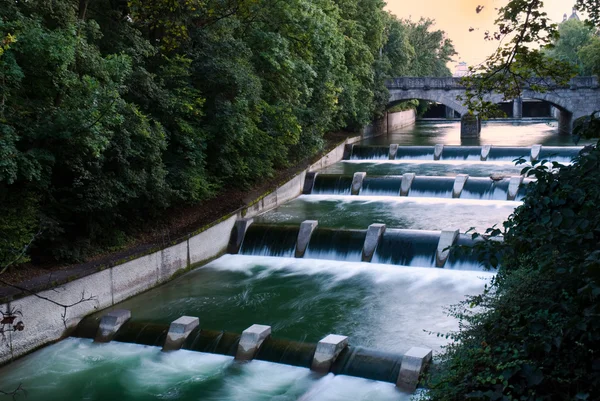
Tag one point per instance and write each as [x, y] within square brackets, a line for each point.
[332, 354]
[377, 244]
[459, 187]
[440, 152]
[342, 283]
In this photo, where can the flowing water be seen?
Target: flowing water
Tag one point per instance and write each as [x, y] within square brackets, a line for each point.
[397, 301]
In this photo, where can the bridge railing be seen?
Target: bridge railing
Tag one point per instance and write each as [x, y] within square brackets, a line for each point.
[449, 83]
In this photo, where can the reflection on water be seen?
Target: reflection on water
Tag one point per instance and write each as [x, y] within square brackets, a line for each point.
[517, 133]
[77, 369]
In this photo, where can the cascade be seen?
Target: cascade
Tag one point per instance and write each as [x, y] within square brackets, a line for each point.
[374, 249]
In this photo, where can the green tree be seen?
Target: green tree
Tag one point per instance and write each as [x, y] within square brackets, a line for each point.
[573, 36]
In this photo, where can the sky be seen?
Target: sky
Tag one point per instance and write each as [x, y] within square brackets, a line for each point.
[455, 17]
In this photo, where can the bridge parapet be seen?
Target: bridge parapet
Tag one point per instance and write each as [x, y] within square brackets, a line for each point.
[450, 83]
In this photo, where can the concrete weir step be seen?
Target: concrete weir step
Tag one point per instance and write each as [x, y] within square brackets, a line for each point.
[332, 354]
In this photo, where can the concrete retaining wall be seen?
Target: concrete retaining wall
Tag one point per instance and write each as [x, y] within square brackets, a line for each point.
[44, 320]
[400, 120]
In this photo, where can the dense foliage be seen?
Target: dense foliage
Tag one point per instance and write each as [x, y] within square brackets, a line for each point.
[526, 35]
[111, 111]
[577, 44]
[535, 333]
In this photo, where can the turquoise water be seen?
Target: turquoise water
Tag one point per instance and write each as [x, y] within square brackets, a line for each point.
[386, 307]
[77, 369]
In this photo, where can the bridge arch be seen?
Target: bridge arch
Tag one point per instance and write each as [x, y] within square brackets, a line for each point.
[397, 96]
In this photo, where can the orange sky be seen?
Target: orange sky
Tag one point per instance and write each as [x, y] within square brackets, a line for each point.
[457, 16]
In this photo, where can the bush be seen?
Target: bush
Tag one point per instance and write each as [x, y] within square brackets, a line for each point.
[535, 333]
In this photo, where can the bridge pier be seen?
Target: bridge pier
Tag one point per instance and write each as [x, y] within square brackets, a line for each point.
[565, 122]
[470, 126]
[449, 113]
[518, 108]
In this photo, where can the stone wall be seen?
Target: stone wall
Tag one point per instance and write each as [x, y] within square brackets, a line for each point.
[400, 120]
[46, 322]
[389, 123]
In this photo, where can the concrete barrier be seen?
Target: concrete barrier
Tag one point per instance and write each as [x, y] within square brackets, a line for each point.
[328, 349]
[46, 322]
[396, 121]
[251, 340]
[306, 229]
[407, 180]
[374, 234]
[110, 324]
[357, 181]
[459, 184]
[179, 331]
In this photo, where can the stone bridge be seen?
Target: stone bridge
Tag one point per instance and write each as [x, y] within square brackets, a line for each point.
[581, 97]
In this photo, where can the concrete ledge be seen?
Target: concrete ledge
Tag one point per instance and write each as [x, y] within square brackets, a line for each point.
[211, 242]
[133, 277]
[328, 349]
[513, 187]
[485, 152]
[393, 151]
[437, 151]
[459, 184]
[374, 234]
[179, 331]
[309, 183]
[237, 235]
[357, 182]
[306, 229]
[110, 324]
[407, 180]
[535, 152]
[251, 340]
[447, 239]
[414, 363]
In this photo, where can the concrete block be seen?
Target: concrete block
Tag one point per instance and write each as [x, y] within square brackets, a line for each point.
[459, 184]
[393, 151]
[309, 183]
[414, 363]
[328, 349]
[251, 340]
[110, 324]
[485, 152]
[407, 180]
[374, 234]
[211, 242]
[513, 187]
[535, 152]
[437, 151]
[447, 239]
[237, 235]
[306, 229]
[357, 182]
[179, 331]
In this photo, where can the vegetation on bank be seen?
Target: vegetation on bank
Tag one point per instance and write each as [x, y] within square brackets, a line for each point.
[535, 333]
[111, 112]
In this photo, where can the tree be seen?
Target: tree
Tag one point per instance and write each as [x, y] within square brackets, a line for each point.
[573, 36]
[525, 31]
